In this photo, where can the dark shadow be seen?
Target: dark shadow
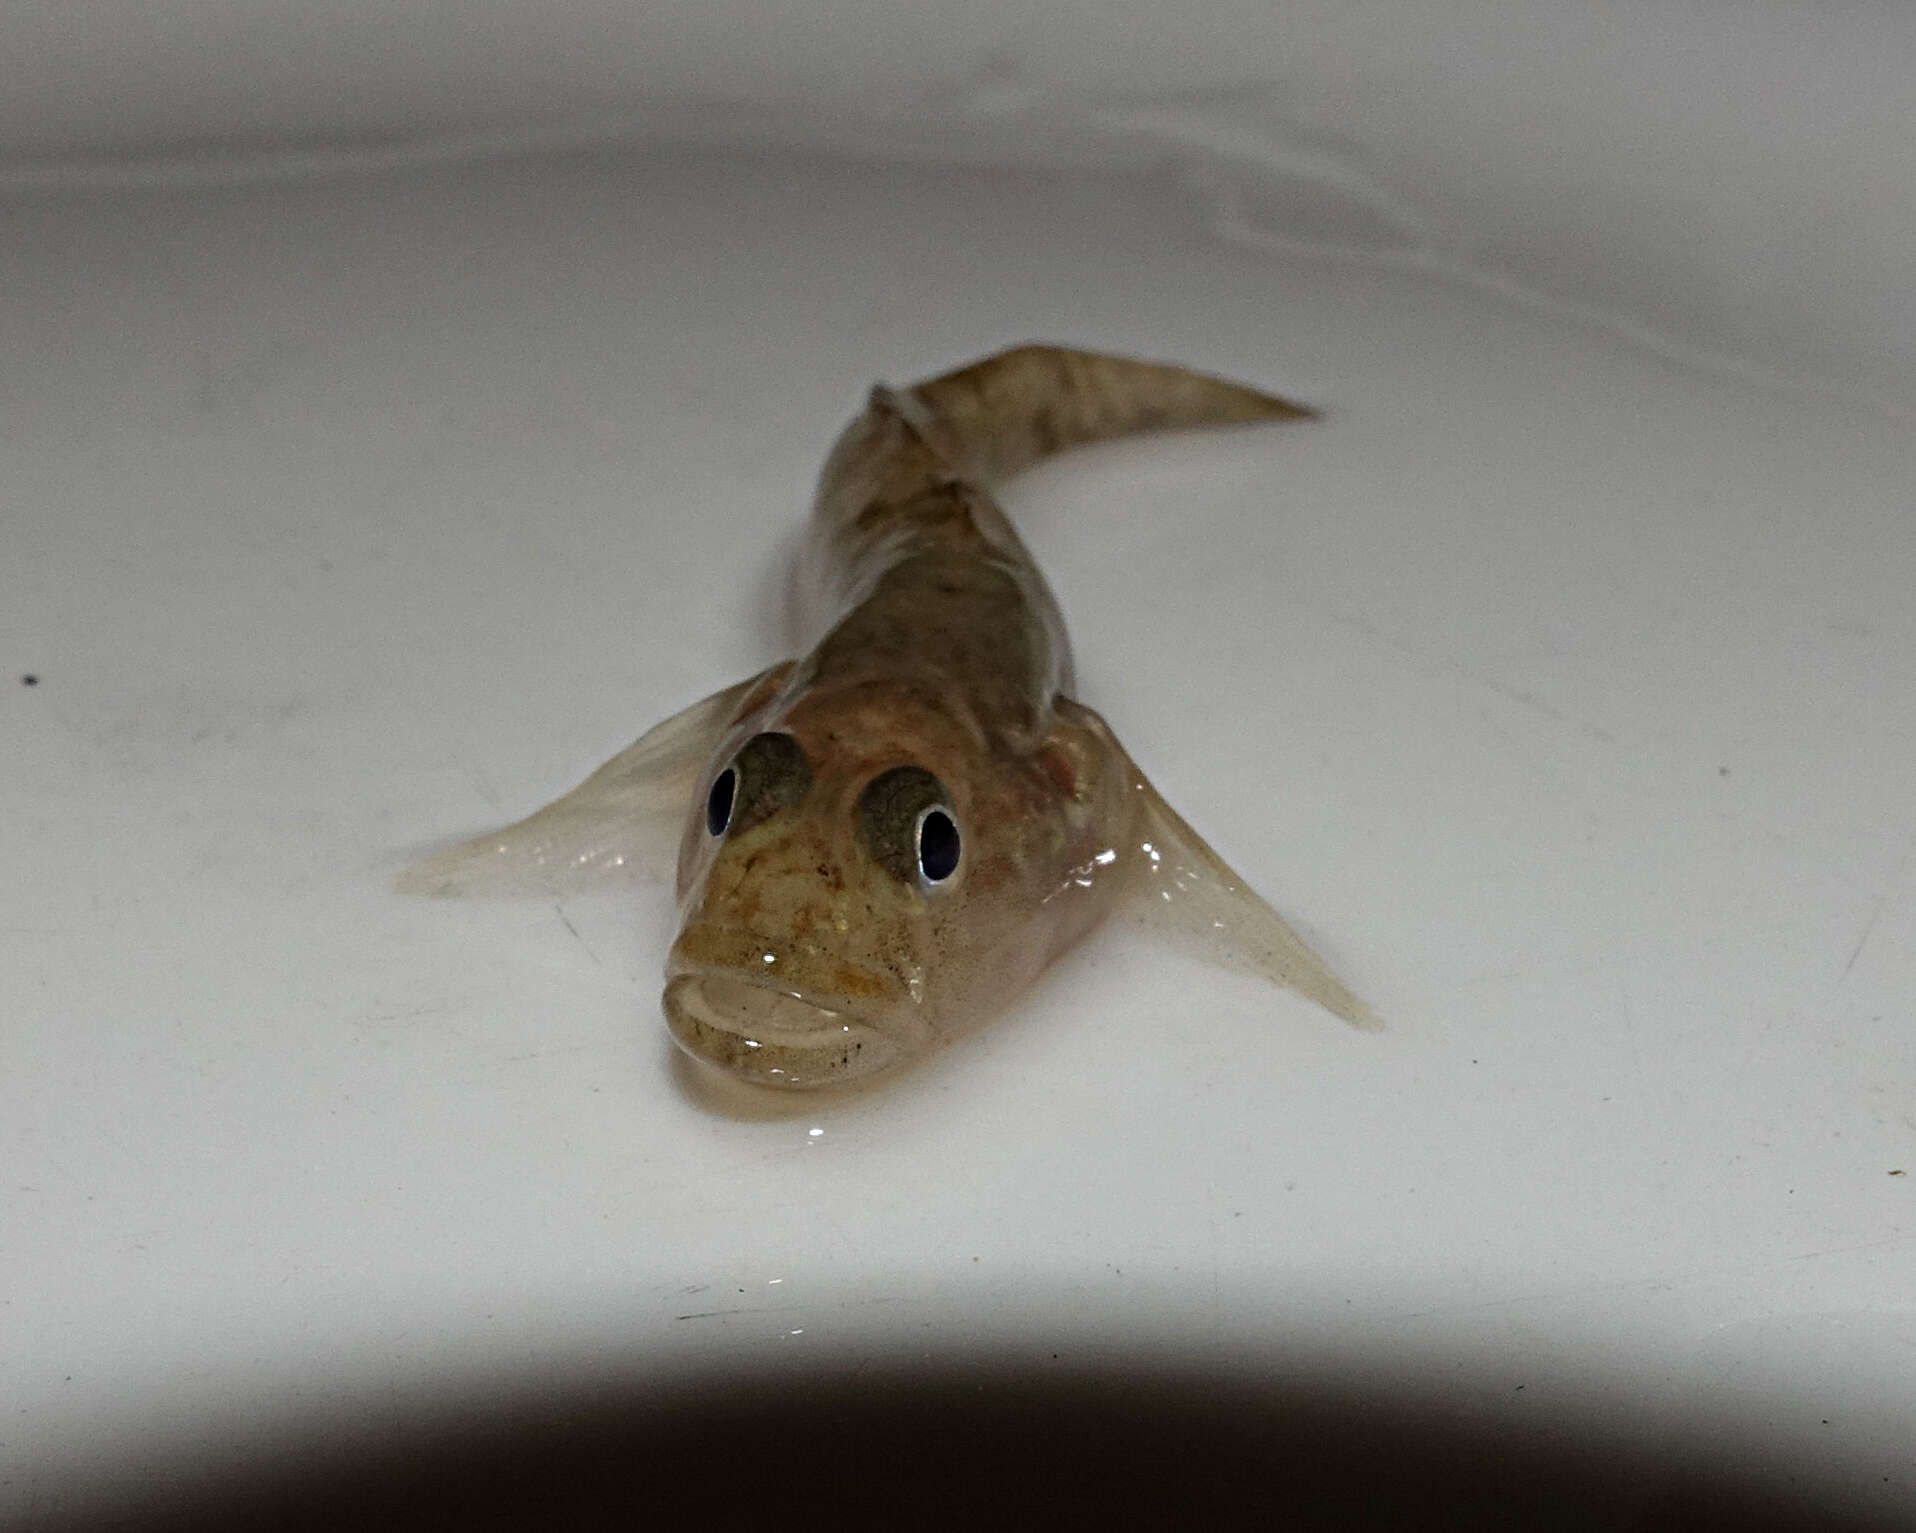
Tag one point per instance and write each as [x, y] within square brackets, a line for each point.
[967, 1446]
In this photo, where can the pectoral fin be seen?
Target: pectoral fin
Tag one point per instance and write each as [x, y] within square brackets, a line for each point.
[620, 825]
[1184, 891]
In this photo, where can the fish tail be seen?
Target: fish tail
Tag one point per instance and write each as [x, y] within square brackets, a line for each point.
[1002, 414]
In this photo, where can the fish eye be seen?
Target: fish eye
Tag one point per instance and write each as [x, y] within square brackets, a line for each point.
[908, 826]
[718, 803]
[938, 845]
[768, 774]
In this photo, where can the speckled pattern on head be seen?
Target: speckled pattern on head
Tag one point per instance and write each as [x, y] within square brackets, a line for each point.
[886, 839]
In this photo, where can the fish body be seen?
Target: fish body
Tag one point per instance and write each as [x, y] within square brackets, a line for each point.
[888, 837]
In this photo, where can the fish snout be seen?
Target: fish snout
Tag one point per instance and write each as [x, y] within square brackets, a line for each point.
[780, 1017]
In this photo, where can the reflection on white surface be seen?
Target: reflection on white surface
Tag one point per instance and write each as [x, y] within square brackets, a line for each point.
[1569, 687]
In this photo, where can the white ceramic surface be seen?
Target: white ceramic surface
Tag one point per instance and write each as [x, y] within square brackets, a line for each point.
[1561, 691]
[1727, 174]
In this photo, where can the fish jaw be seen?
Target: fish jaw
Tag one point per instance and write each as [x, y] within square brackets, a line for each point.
[773, 1037]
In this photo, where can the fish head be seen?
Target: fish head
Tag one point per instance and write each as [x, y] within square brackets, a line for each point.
[867, 872]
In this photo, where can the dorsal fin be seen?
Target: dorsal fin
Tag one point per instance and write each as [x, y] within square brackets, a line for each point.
[997, 416]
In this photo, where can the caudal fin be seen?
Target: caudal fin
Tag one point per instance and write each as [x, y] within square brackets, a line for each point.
[1006, 412]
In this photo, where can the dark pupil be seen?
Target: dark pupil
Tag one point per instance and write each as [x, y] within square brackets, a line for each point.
[937, 846]
[718, 803]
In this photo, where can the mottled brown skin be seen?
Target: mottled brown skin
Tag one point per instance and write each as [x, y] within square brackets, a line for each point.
[817, 946]
[900, 963]
[949, 655]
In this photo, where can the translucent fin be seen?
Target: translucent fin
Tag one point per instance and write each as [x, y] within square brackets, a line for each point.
[1193, 896]
[620, 825]
[1183, 891]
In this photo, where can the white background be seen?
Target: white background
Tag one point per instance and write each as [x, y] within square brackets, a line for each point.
[365, 482]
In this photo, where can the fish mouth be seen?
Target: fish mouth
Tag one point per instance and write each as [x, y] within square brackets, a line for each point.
[772, 1037]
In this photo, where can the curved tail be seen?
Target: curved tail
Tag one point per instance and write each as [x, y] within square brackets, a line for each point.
[915, 468]
[1004, 413]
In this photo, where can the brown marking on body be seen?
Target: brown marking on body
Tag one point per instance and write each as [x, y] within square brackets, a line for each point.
[809, 956]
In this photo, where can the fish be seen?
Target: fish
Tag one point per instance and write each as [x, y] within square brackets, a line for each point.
[882, 841]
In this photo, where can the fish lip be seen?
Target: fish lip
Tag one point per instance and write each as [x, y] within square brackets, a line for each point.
[771, 1035]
